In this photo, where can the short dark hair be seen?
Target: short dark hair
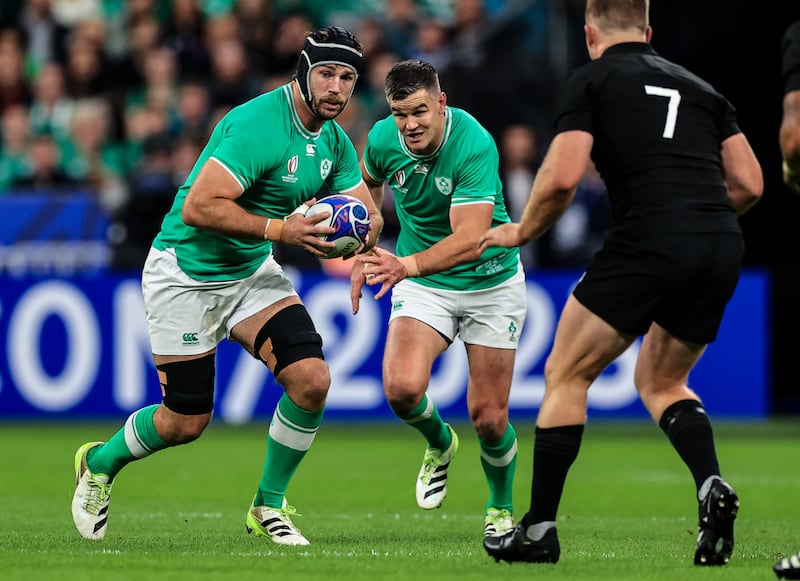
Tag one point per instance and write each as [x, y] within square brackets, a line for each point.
[410, 76]
[619, 14]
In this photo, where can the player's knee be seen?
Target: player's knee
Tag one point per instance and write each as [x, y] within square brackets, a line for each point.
[402, 394]
[182, 429]
[307, 381]
[490, 422]
[188, 390]
[288, 337]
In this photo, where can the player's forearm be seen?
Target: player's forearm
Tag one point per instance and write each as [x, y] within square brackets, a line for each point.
[544, 208]
[225, 217]
[448, 252]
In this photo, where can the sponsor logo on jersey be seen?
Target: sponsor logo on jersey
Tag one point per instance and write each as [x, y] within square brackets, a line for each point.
[421, 168]
[311, 149]
[292, 167]
[400, 176]
[325, 168]
[190, 339]
[444, 185]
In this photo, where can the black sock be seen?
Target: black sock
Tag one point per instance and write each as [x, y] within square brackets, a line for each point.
[688, 428]
[554, 451]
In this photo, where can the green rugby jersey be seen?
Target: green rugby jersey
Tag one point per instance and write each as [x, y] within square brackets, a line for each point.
[278, 162]
[463, 170]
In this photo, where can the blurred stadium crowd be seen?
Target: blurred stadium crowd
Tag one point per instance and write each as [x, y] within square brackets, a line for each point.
[115, 98]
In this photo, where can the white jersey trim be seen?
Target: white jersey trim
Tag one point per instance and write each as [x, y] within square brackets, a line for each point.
[230, 171]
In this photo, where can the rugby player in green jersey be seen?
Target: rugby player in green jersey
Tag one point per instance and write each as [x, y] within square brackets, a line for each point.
[210, 275]
[442, 167]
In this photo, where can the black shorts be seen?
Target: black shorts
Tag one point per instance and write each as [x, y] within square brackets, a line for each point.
[680, 281]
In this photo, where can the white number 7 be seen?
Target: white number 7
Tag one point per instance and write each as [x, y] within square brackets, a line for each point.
[672, 108]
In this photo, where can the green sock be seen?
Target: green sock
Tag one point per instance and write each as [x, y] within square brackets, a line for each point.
[425, 418]
[137, 439]
[499, 461]
[291, 433]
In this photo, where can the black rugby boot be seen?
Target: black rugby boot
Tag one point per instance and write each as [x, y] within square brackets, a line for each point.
[717, 512]
[515, 546]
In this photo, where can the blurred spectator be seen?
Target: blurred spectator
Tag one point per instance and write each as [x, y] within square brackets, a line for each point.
[14, 88]
[232, 82]
[14, 154]
[90, 158]
[46, 37]
[160, 87]
[255, 19]
[492, 49]
[45, 174]
[400, 26]
[220, 30]
[372, 96]
[51, 109]
[72, 12]
[519, 161]
[184, 33]
[430, 44]
[370, 34]
[192, 116]
[152, 186]
[84, 74]
[287, 42]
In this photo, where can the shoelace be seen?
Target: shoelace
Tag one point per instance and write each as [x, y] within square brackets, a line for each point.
[430, 464]
[497, 517]
[288, 511]
[99, 493]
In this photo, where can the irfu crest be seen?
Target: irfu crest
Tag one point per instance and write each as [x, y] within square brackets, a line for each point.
[444, 185]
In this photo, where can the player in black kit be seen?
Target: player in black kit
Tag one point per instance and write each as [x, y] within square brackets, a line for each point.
[789, 139]
[678, 172]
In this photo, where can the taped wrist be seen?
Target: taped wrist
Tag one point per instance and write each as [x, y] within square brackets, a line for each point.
[410, 264]
[273, 229]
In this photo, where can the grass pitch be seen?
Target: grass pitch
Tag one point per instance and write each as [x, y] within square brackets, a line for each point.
[628, 510]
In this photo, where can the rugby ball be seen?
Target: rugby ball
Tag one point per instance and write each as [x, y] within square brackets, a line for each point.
[349, 216]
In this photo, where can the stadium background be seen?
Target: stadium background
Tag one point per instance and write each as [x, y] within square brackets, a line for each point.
[72, 339]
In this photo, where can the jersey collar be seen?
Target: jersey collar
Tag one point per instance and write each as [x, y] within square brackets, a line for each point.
[302, 129]
[630, 47]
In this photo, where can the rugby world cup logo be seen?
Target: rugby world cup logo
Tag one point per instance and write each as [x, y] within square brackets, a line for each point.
[400, 176]
[292, 165]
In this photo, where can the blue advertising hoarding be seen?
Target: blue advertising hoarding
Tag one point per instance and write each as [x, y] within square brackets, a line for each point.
[78, 348]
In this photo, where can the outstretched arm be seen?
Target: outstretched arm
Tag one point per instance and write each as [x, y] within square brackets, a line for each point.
[552, 193]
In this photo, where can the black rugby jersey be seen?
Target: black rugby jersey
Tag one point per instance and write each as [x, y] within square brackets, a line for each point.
[791, 58]
[657, 132]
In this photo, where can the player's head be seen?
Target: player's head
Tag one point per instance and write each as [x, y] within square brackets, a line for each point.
[417, 103]
[338, 54]
[612, 21]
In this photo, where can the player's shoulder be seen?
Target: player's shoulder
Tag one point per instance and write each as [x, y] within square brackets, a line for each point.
[467, 130]
[383, 128]
[267, 109]
[633, 62]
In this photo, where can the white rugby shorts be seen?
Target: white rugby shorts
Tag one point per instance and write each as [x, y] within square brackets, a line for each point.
[188, 317]
[491, 317]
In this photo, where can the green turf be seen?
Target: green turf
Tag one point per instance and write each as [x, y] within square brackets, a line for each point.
[628, 510]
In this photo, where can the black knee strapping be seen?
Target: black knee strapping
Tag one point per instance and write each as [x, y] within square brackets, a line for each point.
[287, 337]
[188, 386]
